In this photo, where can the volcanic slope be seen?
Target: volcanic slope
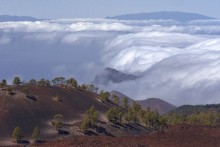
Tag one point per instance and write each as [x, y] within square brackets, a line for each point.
[41, 104]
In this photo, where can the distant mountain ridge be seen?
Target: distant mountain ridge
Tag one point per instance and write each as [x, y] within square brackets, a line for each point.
[195, 109]
[157, 104]
[162, 15]
[153, 103]
[121, 96]
[6, 18]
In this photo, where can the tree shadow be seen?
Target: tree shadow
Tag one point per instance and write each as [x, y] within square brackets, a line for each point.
[115, 126]
[11, 93]
[91, 133]
[24, 142]
[103, 130]
[41, 141]
[132, 127]
[32, 98]
[63, 132]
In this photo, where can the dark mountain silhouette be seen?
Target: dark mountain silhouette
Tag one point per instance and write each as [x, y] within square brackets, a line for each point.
[162, 15]
[112, 75]
[5, 18]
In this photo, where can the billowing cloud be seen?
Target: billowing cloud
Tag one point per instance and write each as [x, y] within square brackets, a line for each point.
[178, 62]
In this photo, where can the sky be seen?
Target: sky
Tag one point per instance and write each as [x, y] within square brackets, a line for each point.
[101, 8]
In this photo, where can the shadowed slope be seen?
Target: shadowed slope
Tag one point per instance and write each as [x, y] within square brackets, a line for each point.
[38, 110]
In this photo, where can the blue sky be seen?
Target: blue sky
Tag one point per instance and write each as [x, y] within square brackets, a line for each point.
[103, 8]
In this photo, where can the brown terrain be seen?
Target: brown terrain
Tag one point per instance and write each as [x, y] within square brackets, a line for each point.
[173, 136]
[42, 103]
[36, 107]
[39, 108]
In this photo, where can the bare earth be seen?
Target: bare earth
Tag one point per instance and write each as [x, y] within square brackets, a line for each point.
[175, 136]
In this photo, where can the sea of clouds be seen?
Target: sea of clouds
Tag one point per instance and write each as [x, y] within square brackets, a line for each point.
[177, 62]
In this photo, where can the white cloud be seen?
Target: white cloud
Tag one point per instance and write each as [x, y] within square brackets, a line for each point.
[179, 62]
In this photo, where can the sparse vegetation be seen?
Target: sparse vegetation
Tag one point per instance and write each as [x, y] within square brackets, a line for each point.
[43, 82]
[135, 114]
[119, 114]
[58, 81]
[125, 102]
[72, 83]
[10, 91]
[92, 88]
[3, 83]
[56, 98]
[104, 96]
[116, 99]
[17, 134]
[83, 86]
[200, 118]
[25, 90]
[115, 115]
[90, 118]
[36, 134]
[17, 81]
[32, 82]
[57, 121]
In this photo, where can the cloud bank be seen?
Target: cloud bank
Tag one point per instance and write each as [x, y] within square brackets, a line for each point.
[178, 62]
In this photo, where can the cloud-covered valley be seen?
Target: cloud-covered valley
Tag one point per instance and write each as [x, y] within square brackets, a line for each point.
[178, 62]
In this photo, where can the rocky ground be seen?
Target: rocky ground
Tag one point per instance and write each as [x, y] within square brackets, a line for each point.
[174, 136]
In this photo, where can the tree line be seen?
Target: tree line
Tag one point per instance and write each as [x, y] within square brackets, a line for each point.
[57, 81]
[199, 118]
[18, 135]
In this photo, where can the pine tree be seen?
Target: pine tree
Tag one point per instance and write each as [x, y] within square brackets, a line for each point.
[35, 134]
[125, 103]
[116, 99]
[90, 118]
[57, 121]
[3, 83]
[17, 134]
[111, 115]
[17, 81]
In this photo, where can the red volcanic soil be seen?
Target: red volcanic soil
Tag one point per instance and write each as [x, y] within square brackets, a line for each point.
[38, 107]
[38, 110]
[174, 136]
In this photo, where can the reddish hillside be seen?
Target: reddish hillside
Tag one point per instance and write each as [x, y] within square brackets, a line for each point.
[157, 104]
[19, 110]
[38, 106]
[154, 103]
